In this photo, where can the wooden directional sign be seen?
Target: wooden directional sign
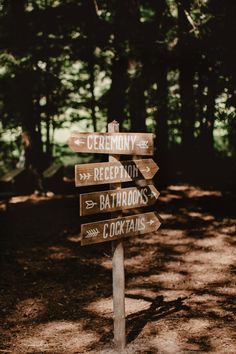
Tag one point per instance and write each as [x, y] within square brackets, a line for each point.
[112, 229]
[117, 199]
[113, 172]
[112, 143]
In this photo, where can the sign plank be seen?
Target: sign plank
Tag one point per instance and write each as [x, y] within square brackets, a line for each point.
[118, 228]
[113, 172]
[112, 143]
[117, 199]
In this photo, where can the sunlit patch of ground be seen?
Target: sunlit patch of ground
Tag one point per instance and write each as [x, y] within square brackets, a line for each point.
[192, 191]
[55, 337]
[58, 252]
[180, 282]
[104, 307]
[28, 309]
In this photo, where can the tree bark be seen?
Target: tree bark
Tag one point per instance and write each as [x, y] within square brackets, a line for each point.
[186, 80]
[161, 120]
[207, 141]
[137, 105]
[93, 99]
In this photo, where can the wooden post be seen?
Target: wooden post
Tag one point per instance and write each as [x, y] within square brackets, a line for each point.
[118, 271]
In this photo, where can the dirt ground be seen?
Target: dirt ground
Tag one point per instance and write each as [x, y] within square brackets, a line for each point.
[56, 296]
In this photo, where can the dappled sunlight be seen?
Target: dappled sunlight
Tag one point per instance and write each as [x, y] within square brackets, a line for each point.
[179, 188]
[180, 283]
[169, 197]
[230, 230]
[193, 191]
[206, 277]
[166, 341]
[74, 238]
[142, 293]
[107, 263]
[166, 217]
[167, 279]
[104, 307]
[216, 257]
[173, 293]
[139, 263]
[56, 337]
[209, 242]
[37, 199]
[28, 309]
[202, 216]
[207, 306]
[60, 253]
[229, 290]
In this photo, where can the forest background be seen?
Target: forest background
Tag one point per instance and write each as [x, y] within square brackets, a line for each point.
[161, 66]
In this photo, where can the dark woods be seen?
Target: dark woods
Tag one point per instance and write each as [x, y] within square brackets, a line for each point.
[163, 66]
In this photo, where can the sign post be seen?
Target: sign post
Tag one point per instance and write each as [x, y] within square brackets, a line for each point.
[115, 200]
[118, 271]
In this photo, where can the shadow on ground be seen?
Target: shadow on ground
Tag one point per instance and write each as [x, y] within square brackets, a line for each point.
[56, 296]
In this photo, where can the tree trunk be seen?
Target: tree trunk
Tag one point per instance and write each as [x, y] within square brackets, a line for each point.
[93, 99]
[208, 126]
[119, 77]
[117, 94]
[137, 105]
[161, 121]
[186, 77]
[48, 128]
[186, 80]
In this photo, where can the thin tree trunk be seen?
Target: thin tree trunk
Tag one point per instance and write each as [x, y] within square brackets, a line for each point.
[208, 142]
[48, 126]
[93, 99]
[137, 105]
[161, 123]
[186, 80]
[117, 95]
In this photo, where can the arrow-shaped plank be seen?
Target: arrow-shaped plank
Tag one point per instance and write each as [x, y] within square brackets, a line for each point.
[113, 172]
[118, 199]
[112, 143]
[108, 230]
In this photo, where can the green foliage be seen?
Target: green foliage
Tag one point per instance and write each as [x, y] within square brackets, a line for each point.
[70, 63]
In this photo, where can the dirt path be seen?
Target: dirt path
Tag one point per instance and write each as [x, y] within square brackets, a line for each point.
[180, 282]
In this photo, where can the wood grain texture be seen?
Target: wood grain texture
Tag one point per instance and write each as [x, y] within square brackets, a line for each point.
[112, 143]
[118, 269]
[117, 199]
[119, 228]
[114, 172]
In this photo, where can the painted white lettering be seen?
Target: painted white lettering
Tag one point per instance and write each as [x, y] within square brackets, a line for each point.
[133, 138]
[112, 229]
[107, 170]
[89, 142]
[105, 233]
[102, 202]
[142, 224]
[96, 174]
[145, 196]
[101, 143]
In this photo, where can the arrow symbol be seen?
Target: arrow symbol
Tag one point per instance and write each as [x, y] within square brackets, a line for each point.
[153, 195]
[151, 222]
[79, 142]
[92, 232]
[147, 169]
[90, 204]
[84, 176]
[143, 144]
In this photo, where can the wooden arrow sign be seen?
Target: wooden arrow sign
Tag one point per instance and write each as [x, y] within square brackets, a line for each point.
[109, 230]
[117, 199]
[112, 143]
[113, 172]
